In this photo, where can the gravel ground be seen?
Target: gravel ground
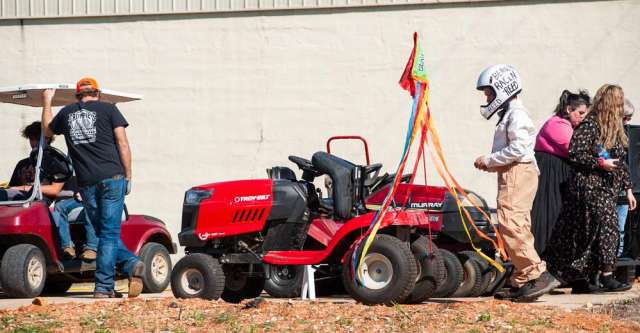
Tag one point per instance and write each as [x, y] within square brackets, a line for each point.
[628, 310]
[172, 315]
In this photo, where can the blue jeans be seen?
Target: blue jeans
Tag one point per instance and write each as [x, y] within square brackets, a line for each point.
[61, 218]
[104, 203]
[623, 210]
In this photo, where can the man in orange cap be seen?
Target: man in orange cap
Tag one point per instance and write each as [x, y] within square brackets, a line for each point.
[97, 142]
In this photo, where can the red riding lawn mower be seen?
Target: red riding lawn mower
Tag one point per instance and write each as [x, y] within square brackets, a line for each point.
[235, 233]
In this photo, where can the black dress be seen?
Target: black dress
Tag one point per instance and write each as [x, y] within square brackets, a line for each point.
[585, 238]
[547, 205]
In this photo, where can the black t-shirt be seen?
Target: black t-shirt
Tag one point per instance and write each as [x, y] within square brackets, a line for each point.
[88, 131]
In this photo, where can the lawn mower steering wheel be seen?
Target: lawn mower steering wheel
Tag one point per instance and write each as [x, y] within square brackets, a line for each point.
[55, 166]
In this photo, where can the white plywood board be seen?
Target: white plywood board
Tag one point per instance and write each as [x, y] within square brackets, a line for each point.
[31, 94]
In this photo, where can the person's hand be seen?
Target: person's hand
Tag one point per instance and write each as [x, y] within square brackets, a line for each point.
[632, 200]
[610, 164]
[479, 164]
[47, 96]
[128, 187]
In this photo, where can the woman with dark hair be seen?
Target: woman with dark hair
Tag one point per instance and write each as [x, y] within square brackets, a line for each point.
[585, 238]
[552, 146]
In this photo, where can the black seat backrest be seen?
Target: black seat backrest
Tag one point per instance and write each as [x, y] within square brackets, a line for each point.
[340, 172]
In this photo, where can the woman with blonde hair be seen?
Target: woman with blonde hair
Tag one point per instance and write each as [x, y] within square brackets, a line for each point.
[585, 238]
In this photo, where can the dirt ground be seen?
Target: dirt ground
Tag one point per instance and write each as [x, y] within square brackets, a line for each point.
[172, 315]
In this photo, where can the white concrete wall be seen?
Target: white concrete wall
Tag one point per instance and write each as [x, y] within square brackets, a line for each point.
[227, 96]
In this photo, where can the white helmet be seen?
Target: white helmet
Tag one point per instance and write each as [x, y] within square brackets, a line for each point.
[505, 82]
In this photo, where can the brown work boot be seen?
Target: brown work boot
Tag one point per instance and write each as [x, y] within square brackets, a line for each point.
[88, 254]
[135, 279]
[69, 252]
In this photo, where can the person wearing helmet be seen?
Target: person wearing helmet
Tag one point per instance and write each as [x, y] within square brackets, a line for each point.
[623, 203]
[512, 157]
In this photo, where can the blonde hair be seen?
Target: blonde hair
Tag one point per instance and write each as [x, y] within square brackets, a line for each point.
[608, 109]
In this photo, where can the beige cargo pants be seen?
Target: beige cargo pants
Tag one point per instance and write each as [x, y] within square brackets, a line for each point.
[517, 185]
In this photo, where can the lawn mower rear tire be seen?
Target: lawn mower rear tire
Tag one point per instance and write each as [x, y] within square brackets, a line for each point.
[485, 271]
[430, 267]
[454, 274]
[472, 281]
[389, 272]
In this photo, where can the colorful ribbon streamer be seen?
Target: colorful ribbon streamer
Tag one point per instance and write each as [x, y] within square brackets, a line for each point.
[415, 80]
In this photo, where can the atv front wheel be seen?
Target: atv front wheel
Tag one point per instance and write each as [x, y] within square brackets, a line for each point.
[388, 272]
[197, 275]
[239, 285]
[285, 281]
[430, 267]
[23, 272]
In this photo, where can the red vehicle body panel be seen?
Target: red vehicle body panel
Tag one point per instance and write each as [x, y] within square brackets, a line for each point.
[235, 207]
[408, 218]
[30, 221]
[35, 221]
[429, 199]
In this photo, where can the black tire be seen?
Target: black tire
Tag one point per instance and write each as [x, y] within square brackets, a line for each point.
[485, 271]
[431, 268]
[23, 272]
[56, 286]
[497, 279]
[285, 281]
[157, 263]
[239, 285]
[389, 255]
[454, 274]
[472, 281]
[197, 275]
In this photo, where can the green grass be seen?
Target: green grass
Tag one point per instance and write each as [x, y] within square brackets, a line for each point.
[485, 316]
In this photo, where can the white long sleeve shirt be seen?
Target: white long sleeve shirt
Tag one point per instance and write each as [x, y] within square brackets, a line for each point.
[514, 138]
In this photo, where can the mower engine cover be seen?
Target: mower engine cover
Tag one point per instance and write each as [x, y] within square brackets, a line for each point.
[223, 209]
[431, 199]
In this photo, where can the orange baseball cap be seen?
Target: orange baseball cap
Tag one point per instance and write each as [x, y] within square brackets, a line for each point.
[86, 83]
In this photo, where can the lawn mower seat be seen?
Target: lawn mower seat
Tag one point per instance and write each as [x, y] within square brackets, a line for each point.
[340, 172]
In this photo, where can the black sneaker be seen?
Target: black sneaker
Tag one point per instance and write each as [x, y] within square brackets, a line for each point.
[609, 284]
[538, 287]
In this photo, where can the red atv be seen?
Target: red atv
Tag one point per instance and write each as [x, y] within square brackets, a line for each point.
[234, 231]
[32, 262]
